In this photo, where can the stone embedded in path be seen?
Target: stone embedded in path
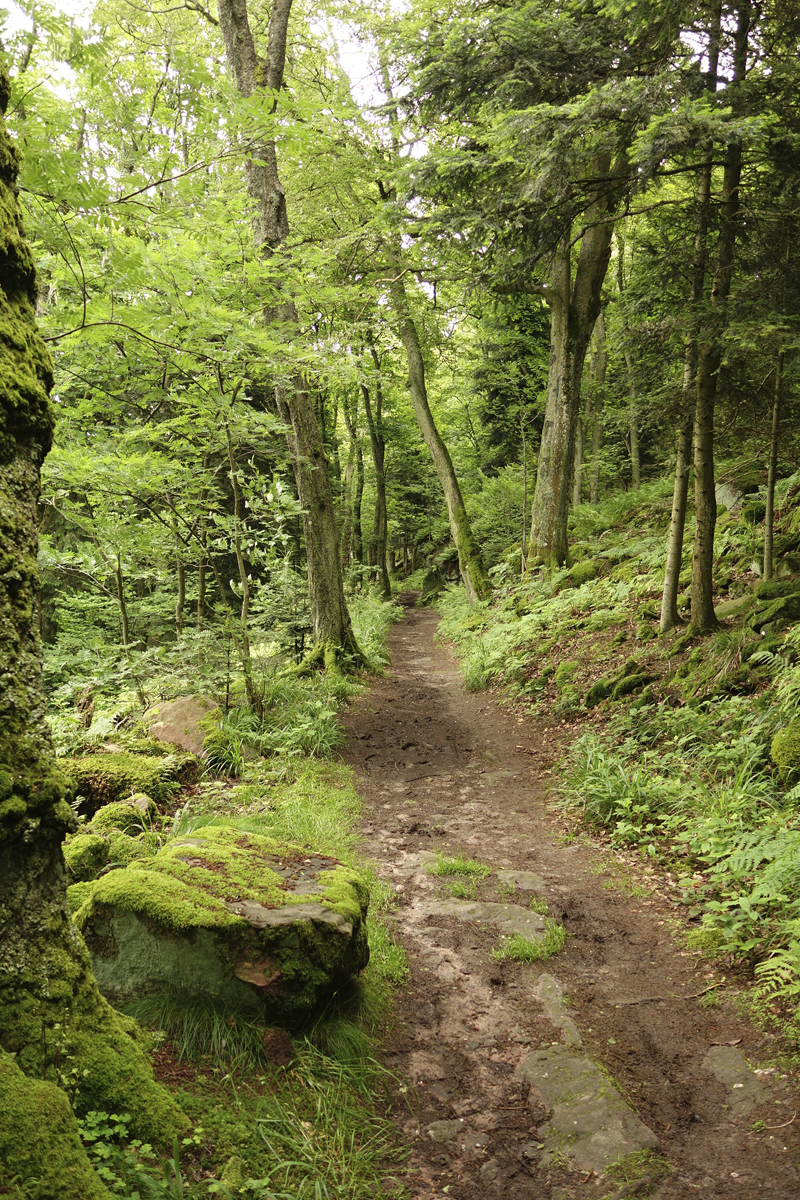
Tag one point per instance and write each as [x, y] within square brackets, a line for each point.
[444, 1131]
[259, 926]
[551, 993]
[729, 1066]
[588, 1119]
[508, 918]
[523, 881]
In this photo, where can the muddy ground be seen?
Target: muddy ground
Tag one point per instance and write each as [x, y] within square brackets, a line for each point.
[446, 770]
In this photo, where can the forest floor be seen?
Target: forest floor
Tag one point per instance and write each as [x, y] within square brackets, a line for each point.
[502, 1098]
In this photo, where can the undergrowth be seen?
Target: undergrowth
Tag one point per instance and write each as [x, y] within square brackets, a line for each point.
[682, 767]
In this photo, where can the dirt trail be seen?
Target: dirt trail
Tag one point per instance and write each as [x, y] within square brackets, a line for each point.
[444, 769]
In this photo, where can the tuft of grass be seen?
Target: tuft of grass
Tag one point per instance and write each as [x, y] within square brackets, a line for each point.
[462, 889]
[459, 865]
[644, 1167]
[538, 905]
[522, 949]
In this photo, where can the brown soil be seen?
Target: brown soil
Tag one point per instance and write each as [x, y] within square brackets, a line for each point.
[444, 769]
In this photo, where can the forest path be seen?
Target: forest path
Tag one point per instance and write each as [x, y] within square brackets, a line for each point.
[447, 770]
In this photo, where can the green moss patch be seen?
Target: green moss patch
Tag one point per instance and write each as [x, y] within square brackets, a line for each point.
[785, 752]
[39, 1138]
[238, 918]
[101, 779]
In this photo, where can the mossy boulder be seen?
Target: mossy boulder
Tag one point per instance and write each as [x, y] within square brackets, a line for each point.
[105, 778]
[583, 572]
[754, 511]
[85, 856]
[776, 615]
[132, 816]
[183, 722]
[785, 752]
[78, 894]
[626, 681]
[235, 918]
[775, 589]
[565, 672]
[432, 584]
[39, 1139]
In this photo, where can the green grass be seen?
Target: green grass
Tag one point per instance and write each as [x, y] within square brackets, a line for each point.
[462, 889]
[459, 865]
[519, 948]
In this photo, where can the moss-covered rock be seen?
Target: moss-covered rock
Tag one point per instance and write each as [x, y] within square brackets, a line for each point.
[85, 856]
[629, 679]
[237, 918]
[565, 672]
[132, 816]
[776, 615]
[78, 893]
[645, 632]
[102, 779]
[432, 584]
[775, 589]
[785, 752]
[39, 1139]
[754, 511]
[583, 572]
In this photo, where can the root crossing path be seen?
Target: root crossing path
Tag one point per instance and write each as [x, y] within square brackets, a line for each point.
[528, 1080]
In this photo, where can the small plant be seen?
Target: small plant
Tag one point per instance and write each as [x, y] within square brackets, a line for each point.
[462, 889]
[538, 905]
[459, 866]
[520, 948]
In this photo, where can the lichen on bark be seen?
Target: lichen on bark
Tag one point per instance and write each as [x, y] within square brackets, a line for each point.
[52, 1017]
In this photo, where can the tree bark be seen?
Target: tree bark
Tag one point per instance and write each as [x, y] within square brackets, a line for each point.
[710, 360]
[358, 528]
[473, 572]
[347, 497]
[574, 308]
[329, 615]
[49, 1002]
[378, 445]
[598, 368]
[769, 516]
[683, 456]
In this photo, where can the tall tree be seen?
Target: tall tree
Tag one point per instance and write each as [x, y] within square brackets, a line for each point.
[50, 1008]
[331, 621]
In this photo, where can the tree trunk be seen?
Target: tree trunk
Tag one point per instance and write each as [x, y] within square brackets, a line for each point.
[599, 362]
[473, 572]
[680, 495]
[633, 389]
[683, 457]
[710, 360]
[769, 516]
[577, 470]
[330, 618]
[51, 1013]
[349, 472]
[358, 528]
[243, 638]
[574, 308]
[378, 445]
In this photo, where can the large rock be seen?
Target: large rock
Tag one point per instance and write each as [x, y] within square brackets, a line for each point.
[108, 777]
[183, 722]
[588, 1119]
[243, 921]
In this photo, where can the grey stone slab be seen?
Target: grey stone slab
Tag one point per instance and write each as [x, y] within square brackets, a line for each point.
[588, 1118]
[508, 918]
[444, 1131]
[524, 881]
[551, 993]
[729, 1066]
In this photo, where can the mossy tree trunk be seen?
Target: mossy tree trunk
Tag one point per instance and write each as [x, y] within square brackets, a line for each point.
[378, 446]
[329, 615]
[710, 358]
[574, 309]
[52, 1017]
